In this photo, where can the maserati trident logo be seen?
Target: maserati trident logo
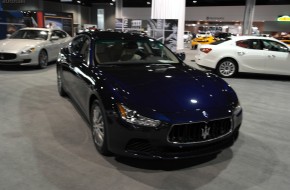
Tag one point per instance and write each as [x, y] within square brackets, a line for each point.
[205, 132]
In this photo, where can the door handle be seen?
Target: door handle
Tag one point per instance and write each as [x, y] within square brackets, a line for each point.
[241, 53]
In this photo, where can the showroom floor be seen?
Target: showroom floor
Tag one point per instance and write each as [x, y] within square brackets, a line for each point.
[46, 144]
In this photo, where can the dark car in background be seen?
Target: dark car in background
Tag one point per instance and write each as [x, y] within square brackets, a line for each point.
[142, 101]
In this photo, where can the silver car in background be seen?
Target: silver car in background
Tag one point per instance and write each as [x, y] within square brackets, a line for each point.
[33, 46]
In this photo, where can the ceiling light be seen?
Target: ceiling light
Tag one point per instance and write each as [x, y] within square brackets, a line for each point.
[148, 3]
[78, 1]
[111, 3]
[113, 0]
[194, 1]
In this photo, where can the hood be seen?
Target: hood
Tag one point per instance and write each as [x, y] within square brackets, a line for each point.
[167, 88]
[16, 45]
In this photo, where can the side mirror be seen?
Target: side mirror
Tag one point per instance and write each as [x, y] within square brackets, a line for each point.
[181, 56]
[54, 38]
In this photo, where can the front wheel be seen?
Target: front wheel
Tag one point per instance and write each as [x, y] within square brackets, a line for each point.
[227, 68]
[99, 131]
[42, 59]
[60, 83]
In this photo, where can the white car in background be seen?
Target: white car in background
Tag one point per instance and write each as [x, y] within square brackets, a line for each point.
[250, 54]
[187, 36]
[203, 34]
[33, 46]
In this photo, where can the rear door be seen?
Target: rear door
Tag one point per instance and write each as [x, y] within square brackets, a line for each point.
[250, 55]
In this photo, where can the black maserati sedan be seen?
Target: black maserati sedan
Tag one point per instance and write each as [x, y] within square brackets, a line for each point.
[141, 100]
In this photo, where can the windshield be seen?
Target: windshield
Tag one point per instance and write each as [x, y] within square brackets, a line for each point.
[30, 34]
[133, 52]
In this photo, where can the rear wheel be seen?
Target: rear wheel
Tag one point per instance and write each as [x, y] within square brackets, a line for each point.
[99, 128]
[42, 59]
[227, 68]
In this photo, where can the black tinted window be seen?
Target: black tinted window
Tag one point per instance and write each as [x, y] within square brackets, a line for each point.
[59, 34]
[243, 43]
[274, 46]
[77, 44]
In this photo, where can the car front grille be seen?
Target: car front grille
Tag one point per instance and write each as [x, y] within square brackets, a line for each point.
[200, 132]
[7, 56]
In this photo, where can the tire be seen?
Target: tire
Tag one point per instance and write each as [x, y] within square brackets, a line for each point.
[60, 88]
[227, 68]
[99, 128]
[42, 59]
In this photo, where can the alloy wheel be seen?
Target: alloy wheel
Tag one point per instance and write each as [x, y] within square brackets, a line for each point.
[43, 59]
[227, 68]
[98, 126]
[60, 83]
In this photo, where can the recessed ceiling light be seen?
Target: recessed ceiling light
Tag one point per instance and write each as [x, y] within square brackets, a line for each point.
[78, 1]
[148, 3]
[194, 1]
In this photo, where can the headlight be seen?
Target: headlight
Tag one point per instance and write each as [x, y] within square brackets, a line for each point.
[28, 51]
[237, 109]
[133, 117]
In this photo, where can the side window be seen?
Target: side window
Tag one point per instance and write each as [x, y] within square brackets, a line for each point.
[77, 44]
[255, 44]
[85, 50]
[54, 33]
[243, 43]
[59, 34]
[81, 46]
[274, 46]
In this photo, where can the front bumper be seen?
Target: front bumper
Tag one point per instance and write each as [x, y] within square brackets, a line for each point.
[18, 59]
[153, 143]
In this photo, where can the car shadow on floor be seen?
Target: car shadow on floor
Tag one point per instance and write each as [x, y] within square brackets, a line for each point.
[263, 77]
[20, 68]
[170, 165]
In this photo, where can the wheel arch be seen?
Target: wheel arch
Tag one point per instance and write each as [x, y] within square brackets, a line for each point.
[43, 49]
[95, 97]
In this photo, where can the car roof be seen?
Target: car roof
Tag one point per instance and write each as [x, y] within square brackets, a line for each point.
[237, 38]
[116, 35]
[32, 28]
[250, 37]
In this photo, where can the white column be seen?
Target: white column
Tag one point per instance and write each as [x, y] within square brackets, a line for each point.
[119, 9]
[171, 9]
[248, 17]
